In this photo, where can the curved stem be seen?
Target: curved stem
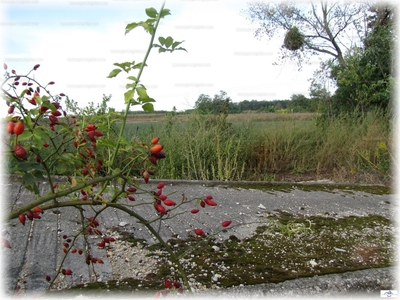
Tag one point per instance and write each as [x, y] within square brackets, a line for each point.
[14, 214]
[138, 79]
[125, 116]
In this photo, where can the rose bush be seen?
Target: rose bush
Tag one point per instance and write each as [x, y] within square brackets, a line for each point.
[43, 138]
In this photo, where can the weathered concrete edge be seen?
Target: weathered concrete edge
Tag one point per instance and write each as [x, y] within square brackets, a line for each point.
[59, 178]
[362, 283]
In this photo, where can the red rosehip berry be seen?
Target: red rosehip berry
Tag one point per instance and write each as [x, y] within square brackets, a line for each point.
[156, 149]
[19, 127]
[226, 223]
[169, 202]
[10, 127]
[22, 219]
[155, 140]
[199, 232]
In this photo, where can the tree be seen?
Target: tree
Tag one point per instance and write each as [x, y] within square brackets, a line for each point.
[204, 104]
[313, 28]
[320, 98]
[299, 103]
[220, 103]
[366, 80]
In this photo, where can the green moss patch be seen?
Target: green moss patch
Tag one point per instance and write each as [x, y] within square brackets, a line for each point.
[286, 247]
[291, 247]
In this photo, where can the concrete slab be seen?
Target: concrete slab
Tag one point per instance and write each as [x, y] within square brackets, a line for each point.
[37, 246]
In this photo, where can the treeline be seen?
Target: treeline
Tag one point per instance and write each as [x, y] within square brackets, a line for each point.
[223, 103]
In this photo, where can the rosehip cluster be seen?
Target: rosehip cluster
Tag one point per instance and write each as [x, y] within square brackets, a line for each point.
[66, 245]
[208, 200]
[87, 141]
[45, 107]
[31, 214]
[169, 284]
[130, 191]
[17, 128]
[93, 224]
[160, 199]
[156, 153]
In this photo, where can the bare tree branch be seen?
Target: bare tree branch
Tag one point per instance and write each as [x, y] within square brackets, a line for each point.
[327, 27]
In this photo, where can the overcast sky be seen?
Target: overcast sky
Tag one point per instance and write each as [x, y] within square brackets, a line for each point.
[77, 42]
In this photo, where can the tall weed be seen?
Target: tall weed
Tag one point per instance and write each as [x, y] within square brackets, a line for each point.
[208, 147]
[345, 146]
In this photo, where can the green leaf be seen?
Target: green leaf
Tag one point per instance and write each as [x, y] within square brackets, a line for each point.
[24, 136]
[150, 29]
[128, 95]
[105, 142]
[49, 105]
[144, 25]
[130, 85]
[23, 93]
[148, 107]
[28, 179]
[146, 100]
[45, 98]
[161, 40]
[28, 166]
[38, 142]
[151, 12]
[130, 26]
[66, 163]
[126, 66]
[174, 44]
[114, 73]
[141, 90]
[168, 41]
[165, 12]
[161, 49]
[132, 78]
[180, 48]
[134, 102]
[41, 134]
[38, 174]
[138, 66]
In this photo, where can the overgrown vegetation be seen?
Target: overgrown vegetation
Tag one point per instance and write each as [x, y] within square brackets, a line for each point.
[348, 148]
[207, 147]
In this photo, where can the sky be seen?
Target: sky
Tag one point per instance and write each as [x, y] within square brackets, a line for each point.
[76, 43]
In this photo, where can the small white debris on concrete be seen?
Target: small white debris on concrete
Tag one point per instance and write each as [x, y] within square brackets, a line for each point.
[339, 250]
[216, 277]
[216, 248]
[313, 263]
